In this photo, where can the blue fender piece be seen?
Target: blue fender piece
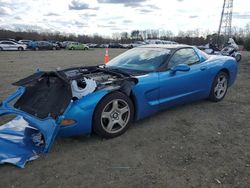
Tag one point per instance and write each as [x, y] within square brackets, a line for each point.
[82, 112]
[18, 142]
[17, 138]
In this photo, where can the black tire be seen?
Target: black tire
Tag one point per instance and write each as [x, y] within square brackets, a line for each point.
[218, 97]
[53, 48]
[98, 126]
[72, 48]
[238, 57]
[20, 49]
[36, 48]
[85, 49]
[1, 49]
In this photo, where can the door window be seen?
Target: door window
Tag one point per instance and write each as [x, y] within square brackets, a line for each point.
[183, 56]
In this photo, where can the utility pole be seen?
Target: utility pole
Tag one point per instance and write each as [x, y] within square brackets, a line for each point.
[225, 27]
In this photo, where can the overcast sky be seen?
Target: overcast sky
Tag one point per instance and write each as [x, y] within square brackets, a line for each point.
[108, 16]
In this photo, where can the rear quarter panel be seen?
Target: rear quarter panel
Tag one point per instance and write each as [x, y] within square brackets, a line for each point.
[222, 63]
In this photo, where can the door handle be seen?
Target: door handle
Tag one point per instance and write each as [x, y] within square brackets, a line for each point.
[203, 68]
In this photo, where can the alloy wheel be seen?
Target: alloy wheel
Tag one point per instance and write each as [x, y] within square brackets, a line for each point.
[221, 87]
[115, 116]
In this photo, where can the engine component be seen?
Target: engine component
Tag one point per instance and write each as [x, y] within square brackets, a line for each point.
[78, 92]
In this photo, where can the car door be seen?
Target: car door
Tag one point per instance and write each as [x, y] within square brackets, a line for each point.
[44, 46]
[183, 86]
[3, 45]
[49, 46]
[13, 46]
[39, 45]
[78, 46]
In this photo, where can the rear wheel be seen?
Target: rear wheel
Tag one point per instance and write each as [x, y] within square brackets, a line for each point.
[219, 87]
[113, 115]
[238, 57]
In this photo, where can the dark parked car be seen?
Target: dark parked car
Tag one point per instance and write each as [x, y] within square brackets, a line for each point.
[57, 43]
[44, 45]
[115, 45]
[64, 44]
[92, 45]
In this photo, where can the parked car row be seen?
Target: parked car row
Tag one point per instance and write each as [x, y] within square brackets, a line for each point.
[12, 44]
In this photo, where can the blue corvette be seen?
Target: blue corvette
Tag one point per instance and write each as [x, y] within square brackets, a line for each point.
[105, 99]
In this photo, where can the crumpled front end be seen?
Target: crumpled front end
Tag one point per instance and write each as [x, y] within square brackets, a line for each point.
[25, 137]
[47, 102]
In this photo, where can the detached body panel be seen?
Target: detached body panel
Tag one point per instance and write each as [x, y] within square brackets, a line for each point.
[19, 138]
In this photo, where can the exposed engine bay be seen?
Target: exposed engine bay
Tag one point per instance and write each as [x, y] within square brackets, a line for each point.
[48, 94]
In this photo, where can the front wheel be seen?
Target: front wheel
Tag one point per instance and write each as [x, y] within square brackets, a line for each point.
[219, 87]
[113, 115]
[20, 49]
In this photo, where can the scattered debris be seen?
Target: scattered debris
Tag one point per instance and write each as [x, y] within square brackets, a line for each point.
[218, 181]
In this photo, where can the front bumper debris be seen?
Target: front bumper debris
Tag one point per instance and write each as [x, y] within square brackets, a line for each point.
[26, 136]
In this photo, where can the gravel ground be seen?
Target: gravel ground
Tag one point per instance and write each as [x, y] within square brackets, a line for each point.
[202, 144]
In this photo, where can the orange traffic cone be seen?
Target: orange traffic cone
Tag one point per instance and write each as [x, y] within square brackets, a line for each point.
[106, 56]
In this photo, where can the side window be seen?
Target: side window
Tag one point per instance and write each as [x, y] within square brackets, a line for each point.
[183, 56]
[7, 43]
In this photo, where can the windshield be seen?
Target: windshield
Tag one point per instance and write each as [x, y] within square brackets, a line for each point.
[140, 59]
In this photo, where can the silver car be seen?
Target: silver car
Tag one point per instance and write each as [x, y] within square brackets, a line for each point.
[9, 45]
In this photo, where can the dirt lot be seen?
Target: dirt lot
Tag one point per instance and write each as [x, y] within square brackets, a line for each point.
[202, 144]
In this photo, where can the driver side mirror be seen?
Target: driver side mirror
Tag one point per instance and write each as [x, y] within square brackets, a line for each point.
[180, 67]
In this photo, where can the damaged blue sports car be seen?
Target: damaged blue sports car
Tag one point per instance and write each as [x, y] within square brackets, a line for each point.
[105, 99]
